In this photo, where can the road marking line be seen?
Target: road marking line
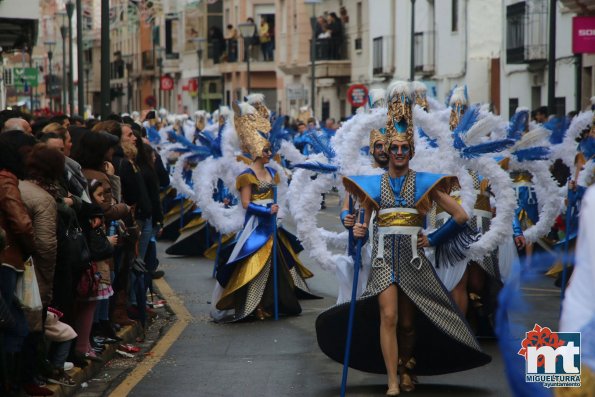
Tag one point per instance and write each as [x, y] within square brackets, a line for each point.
[557, 290]
[183, 318]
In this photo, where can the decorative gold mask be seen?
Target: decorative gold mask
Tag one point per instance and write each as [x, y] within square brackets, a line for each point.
[249, 127]
[457, 111]
[375, 136]
[399, 123]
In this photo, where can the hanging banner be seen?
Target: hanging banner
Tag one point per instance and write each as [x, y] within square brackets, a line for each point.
[583, 35]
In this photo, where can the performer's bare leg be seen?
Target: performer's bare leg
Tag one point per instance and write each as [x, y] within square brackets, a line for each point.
[387, 300]
[528, 254]
[406, 340]
[459, 293]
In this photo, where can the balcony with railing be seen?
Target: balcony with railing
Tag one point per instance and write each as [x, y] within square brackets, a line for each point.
[423, 52]
[331, 58]
[382, 56]
[526, 32]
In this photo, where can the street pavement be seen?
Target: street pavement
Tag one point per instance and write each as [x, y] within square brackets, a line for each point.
[282, 358]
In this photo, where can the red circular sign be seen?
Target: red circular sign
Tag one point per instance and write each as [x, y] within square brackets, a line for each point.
[167, 83]
[357, 95]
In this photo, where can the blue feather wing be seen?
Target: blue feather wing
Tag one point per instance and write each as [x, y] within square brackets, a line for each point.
[517, 125]
[558, 126]
[532, 154]
[277, 133]
[321, 145]
[317, 166]
[488, 147]
[432, 142]
[467, 121]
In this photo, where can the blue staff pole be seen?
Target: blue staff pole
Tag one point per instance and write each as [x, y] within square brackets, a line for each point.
[357, 264]
[350, 231]
[217, 254]
[275, 242]
[566, 242]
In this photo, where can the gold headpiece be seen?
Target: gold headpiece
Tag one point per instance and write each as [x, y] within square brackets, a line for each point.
[420, 94]
[304, 115]
[250, 126]
[458, 106]
[257, 100]
[375, 136]
[399, 123]
[200, 119]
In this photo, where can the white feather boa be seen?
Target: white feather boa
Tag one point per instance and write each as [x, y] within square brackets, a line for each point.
[177, 180]
[205, 176]
[501, 224]
[227, 168]
[550, 198]
[291, 153]
[353, 135]
[587, 175]
[304, 206]
[567, 149]
[450, 162]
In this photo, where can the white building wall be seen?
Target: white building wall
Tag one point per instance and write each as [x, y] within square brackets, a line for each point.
[517, 81]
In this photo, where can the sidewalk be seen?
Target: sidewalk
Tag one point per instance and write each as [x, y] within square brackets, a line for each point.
[97, 379]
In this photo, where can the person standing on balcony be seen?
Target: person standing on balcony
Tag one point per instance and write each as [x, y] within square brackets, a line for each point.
[266, 42]
[231, 39]
[336, 28]
[217, 40]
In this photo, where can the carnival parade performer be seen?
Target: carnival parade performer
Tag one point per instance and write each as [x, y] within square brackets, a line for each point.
[406, 322]
[244, 283]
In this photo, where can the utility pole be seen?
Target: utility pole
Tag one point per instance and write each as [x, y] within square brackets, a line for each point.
[551, 62]
[105, 57]
[79, 57]
[412, 66]
[70, 11]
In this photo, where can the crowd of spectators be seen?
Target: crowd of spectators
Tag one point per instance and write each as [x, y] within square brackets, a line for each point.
[80, 203]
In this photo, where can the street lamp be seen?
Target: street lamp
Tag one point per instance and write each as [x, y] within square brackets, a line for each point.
[79, 58]
[63, 33]
[160, 64]
[313, 22]
[87, 69]
[128, 62]
[70, 11]
[199, 44]
[49, 88]
[247, 30]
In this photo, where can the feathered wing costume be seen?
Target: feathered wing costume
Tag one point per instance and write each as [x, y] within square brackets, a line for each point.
[445, 343]
[244, 281]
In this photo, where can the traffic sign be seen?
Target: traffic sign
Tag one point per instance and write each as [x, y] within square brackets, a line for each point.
[357, 95]
[167, 83]
[25, 77]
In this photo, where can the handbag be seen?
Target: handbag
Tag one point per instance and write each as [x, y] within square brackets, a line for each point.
[6, 317]
[88, 284]
[73, 251]
[27, 289]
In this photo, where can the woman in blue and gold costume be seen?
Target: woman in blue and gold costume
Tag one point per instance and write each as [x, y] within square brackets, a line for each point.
[245, 282]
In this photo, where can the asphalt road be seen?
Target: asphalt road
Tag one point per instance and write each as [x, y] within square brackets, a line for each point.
[282, 358]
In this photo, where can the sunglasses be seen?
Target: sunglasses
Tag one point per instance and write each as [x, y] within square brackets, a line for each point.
[395, 149]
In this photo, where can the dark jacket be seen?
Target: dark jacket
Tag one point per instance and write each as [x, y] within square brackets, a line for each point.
[134, 190]
[152, 184]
